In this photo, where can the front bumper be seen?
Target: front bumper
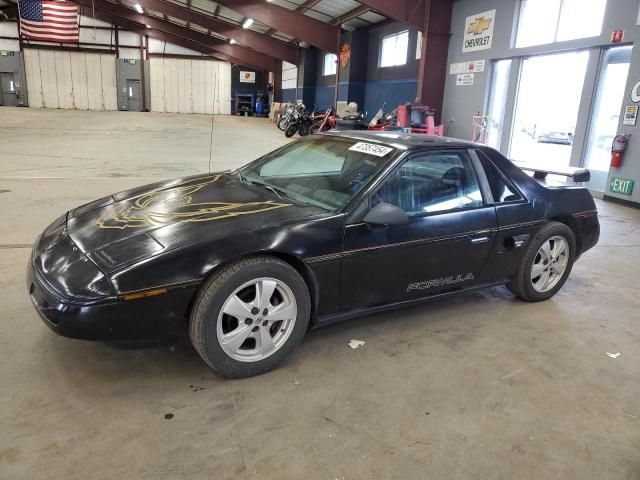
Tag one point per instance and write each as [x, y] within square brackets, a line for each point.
[112, 320]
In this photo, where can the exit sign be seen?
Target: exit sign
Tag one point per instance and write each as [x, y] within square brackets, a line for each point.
[621, 186]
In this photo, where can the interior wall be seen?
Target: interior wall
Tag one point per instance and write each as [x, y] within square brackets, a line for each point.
[392, 86]
[461, 101]
[238, 87]
[70, 80]
[190, 86]
[374, 86]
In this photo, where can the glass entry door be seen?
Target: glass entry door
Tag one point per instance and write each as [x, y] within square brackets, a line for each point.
[547, 106]
[606, 114]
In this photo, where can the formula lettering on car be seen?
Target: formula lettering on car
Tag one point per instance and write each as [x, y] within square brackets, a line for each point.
[439, 282]
[371, 149]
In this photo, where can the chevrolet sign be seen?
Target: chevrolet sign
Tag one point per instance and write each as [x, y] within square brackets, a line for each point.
[478, 31]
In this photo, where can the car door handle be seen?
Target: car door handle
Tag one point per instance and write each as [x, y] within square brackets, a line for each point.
[479, 240]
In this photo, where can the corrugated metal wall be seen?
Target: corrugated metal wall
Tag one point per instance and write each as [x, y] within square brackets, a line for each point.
[70, 80]
[190, 86]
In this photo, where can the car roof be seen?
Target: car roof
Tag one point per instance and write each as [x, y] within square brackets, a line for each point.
[399, 138]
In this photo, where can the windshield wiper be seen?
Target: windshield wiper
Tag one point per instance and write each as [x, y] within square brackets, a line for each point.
[242, 179]
[276, 191]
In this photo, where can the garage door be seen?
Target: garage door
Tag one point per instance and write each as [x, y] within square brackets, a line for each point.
[72, 80]
[190, 86]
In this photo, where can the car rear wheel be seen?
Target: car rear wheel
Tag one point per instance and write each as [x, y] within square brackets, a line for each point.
[546, 264]
[249, 316]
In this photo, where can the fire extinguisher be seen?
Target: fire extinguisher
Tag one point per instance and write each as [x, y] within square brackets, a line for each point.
[617, 149]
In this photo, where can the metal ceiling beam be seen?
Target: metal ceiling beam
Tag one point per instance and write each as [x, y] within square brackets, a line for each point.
[242, 55]
[302, 27]
[308, 5]
[249, 38]
[411, 12]
[350, 15]
[132, 26]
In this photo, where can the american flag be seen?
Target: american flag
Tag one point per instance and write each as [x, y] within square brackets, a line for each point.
[49, 21]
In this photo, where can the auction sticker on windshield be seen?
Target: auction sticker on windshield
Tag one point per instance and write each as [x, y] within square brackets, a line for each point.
[371, 149]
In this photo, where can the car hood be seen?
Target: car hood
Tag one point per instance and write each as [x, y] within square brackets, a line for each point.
[138, 223]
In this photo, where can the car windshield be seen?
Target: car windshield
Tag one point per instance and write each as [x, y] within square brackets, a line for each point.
[321, 170]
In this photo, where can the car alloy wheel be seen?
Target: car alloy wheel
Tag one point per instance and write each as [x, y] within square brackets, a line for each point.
[550, 264]
[256, 320]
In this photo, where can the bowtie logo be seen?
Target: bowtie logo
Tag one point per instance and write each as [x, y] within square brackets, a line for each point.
[479, 25]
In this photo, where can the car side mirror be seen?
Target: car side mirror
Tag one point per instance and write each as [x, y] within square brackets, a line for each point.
[386, 214]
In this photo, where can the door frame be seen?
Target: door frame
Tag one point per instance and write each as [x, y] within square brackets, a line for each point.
[579, 159]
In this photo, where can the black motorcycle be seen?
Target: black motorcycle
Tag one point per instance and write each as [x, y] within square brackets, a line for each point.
[301, 123]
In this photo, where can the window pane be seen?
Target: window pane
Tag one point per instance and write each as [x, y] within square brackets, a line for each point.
[501, 190]
[546, 110]
[538, 22]
[432, 183]
[329, 64]
[419, 46]
[580, 19]
[402, 46]
[606, 114]
[394, 49]
[289, 75]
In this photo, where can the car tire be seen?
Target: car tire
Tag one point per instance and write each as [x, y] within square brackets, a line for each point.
[228, 313]
[546, 264]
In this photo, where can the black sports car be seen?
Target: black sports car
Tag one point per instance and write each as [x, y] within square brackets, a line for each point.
[325, 228]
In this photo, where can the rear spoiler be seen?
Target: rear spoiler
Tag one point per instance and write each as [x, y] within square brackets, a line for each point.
[576, 174]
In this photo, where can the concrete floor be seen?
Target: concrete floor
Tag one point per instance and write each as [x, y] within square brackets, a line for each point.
[482, 386]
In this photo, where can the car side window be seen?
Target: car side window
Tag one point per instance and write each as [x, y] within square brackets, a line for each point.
[430, 183]
[501, 189]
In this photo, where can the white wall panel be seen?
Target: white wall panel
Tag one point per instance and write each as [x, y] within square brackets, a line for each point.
[95, 100]
[184, 84]
[198, 98]
[33, 78]
[49, 80]
[71, 80]
[79, 82]
[89, 35]
[159, 46]
[156, 82]
[223, 97]
[9, 29]
[109, 87]
[130, 53]
[171, 86]
[190, 86]
[63, 77]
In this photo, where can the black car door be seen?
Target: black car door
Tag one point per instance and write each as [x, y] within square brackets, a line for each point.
[445, 245]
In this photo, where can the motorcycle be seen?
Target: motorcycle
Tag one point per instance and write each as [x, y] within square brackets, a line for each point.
[289, 115]
[384, 121]
[301, 123]
[324, 121]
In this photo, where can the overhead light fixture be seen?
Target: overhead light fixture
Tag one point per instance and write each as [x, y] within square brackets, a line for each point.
[148, 26]
[232, 41]
[138, 8]
[247, 22]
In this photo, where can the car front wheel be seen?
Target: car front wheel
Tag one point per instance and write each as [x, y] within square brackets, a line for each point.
[249, 316]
